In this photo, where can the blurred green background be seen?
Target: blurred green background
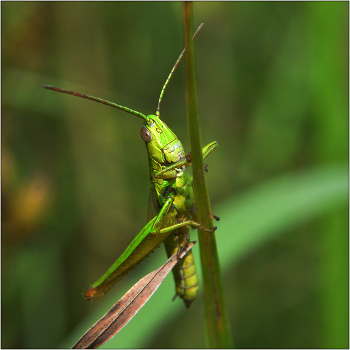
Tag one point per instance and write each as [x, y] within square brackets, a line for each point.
[273, 91]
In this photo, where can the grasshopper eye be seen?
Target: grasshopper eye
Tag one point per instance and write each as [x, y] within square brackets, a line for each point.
[146, 134]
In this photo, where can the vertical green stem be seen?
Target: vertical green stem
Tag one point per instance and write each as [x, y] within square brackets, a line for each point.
[218, 329]
[331, 109]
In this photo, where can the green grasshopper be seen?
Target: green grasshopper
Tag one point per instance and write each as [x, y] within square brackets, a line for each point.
[171, 203]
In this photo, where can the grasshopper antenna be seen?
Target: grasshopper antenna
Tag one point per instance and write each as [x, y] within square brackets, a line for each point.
[172, 71]
[96, 99]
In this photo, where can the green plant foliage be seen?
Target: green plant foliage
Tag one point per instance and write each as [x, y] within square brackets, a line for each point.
[273, 91]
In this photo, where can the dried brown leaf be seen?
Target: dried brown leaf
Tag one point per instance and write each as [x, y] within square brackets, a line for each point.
[127, 307]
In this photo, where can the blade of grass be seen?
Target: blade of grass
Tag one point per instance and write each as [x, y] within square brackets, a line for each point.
[330, 103]
[218, 330]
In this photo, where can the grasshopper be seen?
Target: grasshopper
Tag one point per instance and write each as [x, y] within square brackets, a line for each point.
[171, 203]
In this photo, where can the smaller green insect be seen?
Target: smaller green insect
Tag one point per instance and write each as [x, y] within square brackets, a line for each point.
[171, 203]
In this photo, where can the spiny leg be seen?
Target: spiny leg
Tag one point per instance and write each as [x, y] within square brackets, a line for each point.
[188, 222]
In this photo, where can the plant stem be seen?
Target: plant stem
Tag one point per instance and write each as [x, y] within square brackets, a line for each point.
[218, 330]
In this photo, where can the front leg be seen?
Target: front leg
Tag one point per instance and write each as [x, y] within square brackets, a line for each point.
[206, 150]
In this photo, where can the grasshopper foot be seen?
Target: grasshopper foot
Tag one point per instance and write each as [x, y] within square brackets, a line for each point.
[215, 217]
[207, 230]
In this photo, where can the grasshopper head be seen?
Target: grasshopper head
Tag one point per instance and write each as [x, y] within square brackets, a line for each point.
[162, 144]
